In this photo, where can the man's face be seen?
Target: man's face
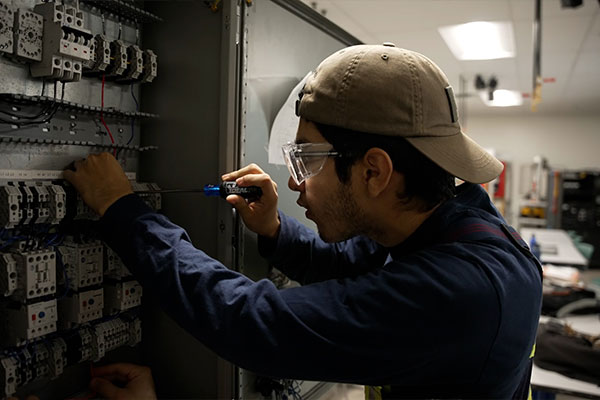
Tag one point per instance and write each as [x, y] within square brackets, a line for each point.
[329, 203]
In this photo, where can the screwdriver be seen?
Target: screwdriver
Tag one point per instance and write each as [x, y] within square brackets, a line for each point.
[223, 190]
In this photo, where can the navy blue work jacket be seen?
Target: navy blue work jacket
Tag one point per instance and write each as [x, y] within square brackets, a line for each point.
[450, 312]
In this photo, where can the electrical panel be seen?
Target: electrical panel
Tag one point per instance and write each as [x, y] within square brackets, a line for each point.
[71, 85]
[81, 77]
[58, 281]
[575, 207]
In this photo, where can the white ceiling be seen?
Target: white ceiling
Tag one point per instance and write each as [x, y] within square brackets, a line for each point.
[570, 45]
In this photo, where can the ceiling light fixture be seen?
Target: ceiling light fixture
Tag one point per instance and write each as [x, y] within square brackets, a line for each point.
[502, 98]
[480, 40]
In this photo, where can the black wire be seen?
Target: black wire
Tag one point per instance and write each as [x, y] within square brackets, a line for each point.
[50, 111]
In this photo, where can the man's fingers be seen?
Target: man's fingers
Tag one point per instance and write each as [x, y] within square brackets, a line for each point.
[69, 175]
[123, 371]
[104, 388]
[248, 169]
[261, 180]
[77, 164]
[239, 203]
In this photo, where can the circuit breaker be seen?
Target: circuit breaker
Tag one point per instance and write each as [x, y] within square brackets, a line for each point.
[114, 268]
[66, 42]
[30, 321]
[36, 273]
[8, 274]
[122, 296]
[83, 264]
[80, 307]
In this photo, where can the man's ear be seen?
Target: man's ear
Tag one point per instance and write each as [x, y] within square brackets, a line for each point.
[377, 171]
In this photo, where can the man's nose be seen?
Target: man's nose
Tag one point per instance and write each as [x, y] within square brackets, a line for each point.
[295, 187]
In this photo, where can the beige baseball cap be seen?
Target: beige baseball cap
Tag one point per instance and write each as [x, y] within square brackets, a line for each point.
[386, 90]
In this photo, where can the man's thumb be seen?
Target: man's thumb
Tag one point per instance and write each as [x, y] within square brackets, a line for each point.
[103, 387]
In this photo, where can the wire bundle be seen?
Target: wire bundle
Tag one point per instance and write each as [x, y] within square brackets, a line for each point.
[43, 116]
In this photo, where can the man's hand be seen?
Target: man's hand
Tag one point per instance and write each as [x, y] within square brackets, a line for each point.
[260, 216]
[100, 180]
[135, 382]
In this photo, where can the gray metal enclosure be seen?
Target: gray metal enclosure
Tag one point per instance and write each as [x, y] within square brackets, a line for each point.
[222, 77]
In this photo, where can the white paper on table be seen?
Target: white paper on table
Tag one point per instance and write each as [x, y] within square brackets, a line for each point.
[285, 125]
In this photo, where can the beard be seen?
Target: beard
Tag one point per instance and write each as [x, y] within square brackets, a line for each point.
[341, 218]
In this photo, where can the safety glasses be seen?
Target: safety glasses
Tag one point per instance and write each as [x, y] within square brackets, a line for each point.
[306, 159]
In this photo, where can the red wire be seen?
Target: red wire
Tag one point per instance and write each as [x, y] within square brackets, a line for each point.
[112, 140]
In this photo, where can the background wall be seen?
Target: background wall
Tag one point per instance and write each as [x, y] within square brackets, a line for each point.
[567, 141]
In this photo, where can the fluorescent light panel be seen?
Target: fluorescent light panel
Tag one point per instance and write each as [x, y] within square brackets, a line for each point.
[480, 40]
[502, 98]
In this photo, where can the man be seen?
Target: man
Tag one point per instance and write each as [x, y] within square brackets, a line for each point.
[411, 283]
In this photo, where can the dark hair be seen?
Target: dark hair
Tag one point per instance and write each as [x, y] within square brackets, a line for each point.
[424, 179]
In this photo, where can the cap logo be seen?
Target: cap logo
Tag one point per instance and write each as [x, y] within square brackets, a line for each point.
[452, 104]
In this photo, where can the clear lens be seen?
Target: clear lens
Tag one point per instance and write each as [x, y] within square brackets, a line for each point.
[306, 159]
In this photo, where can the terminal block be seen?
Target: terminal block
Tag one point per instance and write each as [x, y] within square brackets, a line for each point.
[8, 274]
[115, 333]
[29, 30]
[153, 200]
[26, 205]
[100, 54]
[10, 211]
[118, 51]
[113, 265]
[31, 202]
[32, 362]
[57, 203]
[82, 263]
[40, 357]
[121, 296]
[80, 307]
[83, 211]
[66, 43]
[150, 66]
[6, 28]
[135, 63]
[58, 357]
[10, 376]
[36, 274]
[135, 332]
[30, 321]
[79, 346]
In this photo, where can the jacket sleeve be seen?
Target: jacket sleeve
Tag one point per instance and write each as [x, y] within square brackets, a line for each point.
[346, 330]
[300, 253]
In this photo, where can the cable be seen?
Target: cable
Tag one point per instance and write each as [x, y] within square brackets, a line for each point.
[137, 108]
[112, 139]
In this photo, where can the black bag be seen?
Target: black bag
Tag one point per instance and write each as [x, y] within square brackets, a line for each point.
[559, 348]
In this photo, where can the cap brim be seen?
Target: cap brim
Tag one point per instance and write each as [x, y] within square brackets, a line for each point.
[459, 155]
